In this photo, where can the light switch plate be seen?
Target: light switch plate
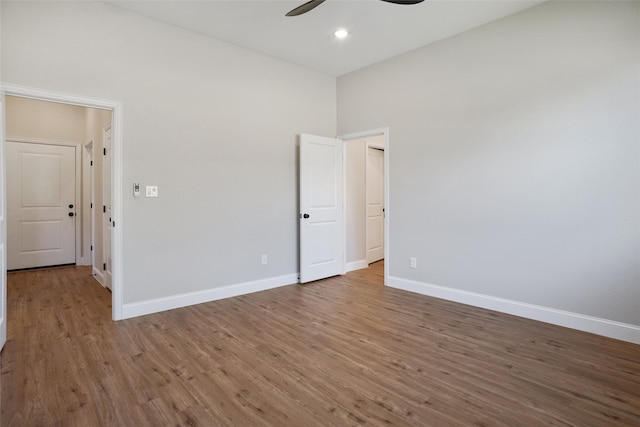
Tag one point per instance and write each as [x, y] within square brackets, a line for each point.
[152, 191]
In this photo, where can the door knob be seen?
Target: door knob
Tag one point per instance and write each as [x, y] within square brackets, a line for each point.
[70, 213]
[70, 206]
[305, 216]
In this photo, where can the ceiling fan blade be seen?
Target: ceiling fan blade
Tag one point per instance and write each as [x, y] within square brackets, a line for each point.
[404, 1]
[305, 7]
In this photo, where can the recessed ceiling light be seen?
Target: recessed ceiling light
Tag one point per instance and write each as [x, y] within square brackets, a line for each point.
[341, 34]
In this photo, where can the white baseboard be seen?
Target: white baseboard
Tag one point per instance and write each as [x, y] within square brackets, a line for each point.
[83, 261]
[98, 275]
[192, 298]
[595, 325]
[356, 265]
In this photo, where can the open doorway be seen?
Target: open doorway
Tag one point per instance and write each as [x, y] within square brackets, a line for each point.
[334, 204]
[366, 199]
[55, 186]
[98, 115]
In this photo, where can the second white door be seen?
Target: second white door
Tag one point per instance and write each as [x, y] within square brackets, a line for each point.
[321, 208]
[41, 198]
[375, 204]
[107, 220]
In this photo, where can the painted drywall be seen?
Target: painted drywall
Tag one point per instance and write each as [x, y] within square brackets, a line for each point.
[514, 165]
[214, 126]
[1, 42]
[34, 119]
[355, 209]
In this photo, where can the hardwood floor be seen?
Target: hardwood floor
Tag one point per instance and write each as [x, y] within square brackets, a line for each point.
[344, 351]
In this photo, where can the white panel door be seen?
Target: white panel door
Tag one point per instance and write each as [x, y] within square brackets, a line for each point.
[375, 204]
[41, 197]
[3, 236]
[321, 208]
[106, 209]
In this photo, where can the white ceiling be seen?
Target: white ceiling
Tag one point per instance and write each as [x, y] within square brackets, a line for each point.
[378, 30]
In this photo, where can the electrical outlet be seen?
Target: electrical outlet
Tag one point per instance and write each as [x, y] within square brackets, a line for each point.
[264, 260]
[414, 263]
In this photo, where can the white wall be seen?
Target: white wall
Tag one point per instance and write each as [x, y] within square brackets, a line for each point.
[514, 166]
[212, 125]
[33, 119]
[355, 209]
[1, 40]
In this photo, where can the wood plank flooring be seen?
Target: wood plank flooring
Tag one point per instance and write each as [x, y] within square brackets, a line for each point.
[344, 351]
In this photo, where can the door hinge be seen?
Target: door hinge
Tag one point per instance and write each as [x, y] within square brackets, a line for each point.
[104, 266]
[91, 247]
[91, 164]
[104, 151]
[91, 205]
[114, 224]
[104, 209]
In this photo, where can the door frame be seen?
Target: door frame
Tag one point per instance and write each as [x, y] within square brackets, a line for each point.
[89, 204]
[107, 281]
[78, 184]
[359, 135]
[3, 232]
[116, 170]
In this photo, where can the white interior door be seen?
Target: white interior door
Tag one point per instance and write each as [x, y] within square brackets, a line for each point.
[3, 236]
[321, 208]
[375, 204]
[106, 209]
[41, 197]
